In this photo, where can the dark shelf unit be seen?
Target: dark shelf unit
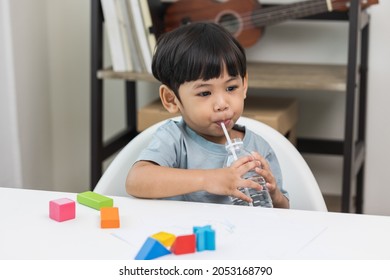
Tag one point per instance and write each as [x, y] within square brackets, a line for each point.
[351, 79]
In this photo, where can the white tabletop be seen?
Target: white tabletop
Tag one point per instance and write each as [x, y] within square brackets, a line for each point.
[27, 232]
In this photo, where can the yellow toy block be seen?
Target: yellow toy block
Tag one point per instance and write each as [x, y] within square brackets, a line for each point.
[165, 238]
[109, 217]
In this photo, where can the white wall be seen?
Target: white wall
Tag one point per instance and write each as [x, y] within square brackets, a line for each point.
[56, 76]
[68, 46]
[29, 90]
[378, 130]
[69, 52]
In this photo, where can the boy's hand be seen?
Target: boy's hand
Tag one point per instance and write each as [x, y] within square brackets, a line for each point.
[227, 181]
[265, 171]
[278, 199]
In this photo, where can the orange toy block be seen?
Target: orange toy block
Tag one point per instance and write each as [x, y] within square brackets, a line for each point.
[184, 244]
[109, 217]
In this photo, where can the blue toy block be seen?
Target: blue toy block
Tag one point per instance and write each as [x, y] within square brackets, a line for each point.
[205, 238]
[151, 249]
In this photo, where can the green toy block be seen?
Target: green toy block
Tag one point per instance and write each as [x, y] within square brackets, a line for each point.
[94, 200]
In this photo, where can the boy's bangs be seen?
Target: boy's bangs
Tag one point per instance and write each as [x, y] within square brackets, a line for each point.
[212, 65]
[197, 52]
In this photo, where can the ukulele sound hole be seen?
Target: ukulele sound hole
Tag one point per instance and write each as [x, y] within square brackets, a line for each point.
[231, 22]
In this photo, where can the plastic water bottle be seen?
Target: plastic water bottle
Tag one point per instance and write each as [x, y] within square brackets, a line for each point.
[260, 198]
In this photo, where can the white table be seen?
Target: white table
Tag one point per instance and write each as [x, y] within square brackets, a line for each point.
[27, 232]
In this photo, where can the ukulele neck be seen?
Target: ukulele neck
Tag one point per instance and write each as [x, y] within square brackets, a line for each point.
[280, 13]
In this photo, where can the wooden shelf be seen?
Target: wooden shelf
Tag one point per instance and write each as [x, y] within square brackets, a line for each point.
[129, 76]
[270, 76]
[297, 76]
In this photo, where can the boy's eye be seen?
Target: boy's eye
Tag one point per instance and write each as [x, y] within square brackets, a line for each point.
[204, 93]
[231, 88]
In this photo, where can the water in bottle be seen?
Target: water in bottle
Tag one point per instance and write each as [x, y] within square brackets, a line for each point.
[236, 150]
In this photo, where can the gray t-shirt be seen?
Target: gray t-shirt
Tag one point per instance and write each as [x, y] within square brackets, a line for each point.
[176, 145]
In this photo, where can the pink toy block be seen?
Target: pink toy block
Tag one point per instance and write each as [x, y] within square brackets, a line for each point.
[62, 209]
[184, 244]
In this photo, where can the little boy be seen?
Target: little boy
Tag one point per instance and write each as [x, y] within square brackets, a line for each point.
[202, 69]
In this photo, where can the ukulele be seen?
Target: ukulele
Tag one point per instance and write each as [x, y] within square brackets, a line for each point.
[245, 19]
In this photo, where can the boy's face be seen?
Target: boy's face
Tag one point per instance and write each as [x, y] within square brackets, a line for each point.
[205, 104]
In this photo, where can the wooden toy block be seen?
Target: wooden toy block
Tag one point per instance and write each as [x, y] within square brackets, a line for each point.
[184, 244]
[94, 200]
[205, 238]
[62, 209]
[151, 249]
[109, 217]
[167, 239]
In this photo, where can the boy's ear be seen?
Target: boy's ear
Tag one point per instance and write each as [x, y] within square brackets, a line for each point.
[245, 82]
[168, 99]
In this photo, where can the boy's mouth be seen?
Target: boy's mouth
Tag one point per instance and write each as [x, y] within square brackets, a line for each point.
[226, 122]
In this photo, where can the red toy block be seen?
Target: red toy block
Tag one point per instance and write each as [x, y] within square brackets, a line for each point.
[62, 209]
[109, 217]
[184, 244]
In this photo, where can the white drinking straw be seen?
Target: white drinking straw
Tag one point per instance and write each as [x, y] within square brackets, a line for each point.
[234, 154]
[229, 141]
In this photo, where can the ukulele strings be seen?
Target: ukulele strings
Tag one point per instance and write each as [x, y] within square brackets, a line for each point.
[276, 14]
[273, 15]
[280, 13]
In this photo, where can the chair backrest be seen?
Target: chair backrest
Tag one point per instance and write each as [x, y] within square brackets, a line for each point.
[298, 179]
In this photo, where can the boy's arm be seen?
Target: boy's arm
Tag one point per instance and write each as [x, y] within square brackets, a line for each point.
[149, 180]
[278, 199]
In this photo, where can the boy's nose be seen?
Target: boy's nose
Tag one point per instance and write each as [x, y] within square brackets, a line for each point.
[221, 104]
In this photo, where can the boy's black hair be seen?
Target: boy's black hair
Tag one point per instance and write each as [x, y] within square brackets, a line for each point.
[197, 51]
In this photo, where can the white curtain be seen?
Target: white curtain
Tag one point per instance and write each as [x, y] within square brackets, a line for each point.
[10, 163]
